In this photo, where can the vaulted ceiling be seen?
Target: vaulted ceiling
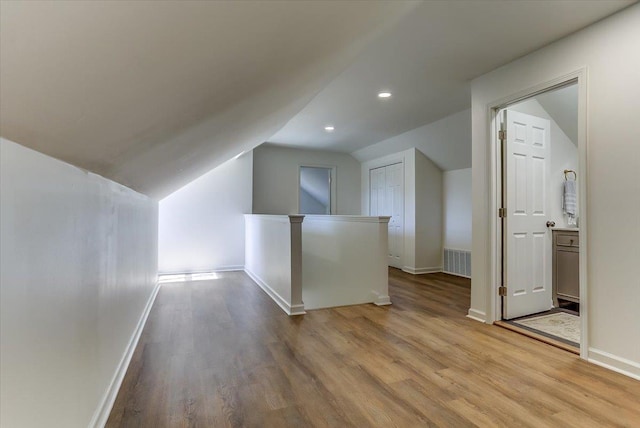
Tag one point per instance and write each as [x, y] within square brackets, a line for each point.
[155, 94]
[426, 62]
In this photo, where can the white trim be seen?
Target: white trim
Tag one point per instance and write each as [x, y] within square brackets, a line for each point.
[615, 363]
[456, 274]
[492, 298]
[380, 300]
[477, 315]
[352, 218]
[284, 305]
[419, 271]
[392, 159]
[281, 218]
[102, 412]
[297, 310]
[583, 162]
[230, 268]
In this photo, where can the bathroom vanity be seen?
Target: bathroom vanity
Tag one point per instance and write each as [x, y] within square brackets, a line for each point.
[566, 267]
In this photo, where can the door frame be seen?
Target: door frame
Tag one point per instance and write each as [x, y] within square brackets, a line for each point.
[579, 77]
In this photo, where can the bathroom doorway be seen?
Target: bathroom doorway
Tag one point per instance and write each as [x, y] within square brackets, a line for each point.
[539, 215]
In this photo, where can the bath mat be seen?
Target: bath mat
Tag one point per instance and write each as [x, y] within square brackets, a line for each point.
[560, 324]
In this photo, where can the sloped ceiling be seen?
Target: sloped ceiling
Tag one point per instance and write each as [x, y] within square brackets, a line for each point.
[427, 62]
[155, 94]
[447, 142]
[562, 106]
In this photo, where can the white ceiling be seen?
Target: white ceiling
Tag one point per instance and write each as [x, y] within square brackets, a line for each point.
[155, 94]
[447, 141]
[426, 62]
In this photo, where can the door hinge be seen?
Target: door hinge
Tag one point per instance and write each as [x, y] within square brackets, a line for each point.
[502, 135]
[502, 291]
[502, 212]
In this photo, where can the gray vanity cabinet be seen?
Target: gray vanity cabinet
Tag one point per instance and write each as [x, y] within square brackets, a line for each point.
[566, 267]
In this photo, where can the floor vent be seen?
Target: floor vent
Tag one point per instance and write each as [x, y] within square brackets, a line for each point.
[457, 262]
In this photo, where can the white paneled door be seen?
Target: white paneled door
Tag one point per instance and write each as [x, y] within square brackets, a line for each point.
[527, 239]
[387, 198]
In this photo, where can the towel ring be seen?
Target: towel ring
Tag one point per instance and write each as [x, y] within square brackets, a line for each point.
[568, 171]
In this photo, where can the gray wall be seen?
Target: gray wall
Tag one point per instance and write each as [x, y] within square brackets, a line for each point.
[429, 210]
[275, 178]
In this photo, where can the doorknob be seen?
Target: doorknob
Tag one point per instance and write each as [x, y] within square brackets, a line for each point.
[551, 224]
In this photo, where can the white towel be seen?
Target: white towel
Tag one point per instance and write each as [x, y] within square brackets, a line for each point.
[570, 198]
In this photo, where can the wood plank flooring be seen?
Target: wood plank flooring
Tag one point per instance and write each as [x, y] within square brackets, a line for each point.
[220, 353]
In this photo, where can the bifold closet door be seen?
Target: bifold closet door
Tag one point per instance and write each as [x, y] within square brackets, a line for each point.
[387, 198]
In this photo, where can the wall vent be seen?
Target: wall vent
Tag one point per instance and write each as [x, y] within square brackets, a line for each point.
[457, 262]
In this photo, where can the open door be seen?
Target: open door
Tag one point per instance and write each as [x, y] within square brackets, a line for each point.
[526, 233]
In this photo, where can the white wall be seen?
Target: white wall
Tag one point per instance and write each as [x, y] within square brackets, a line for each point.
[274, 258]
[422, 208]
[78, 266]
[457, 209]
[564, 155]
[202, 225]
[275, 178]
[607, 50]
[344, 261]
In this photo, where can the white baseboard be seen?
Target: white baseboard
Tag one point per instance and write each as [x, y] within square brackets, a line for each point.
[477, 315]
[297, 310]
[456, 274]
[103, 410]
[419, 271]
[284, 305]
[615, 363]
[380, 300]
[229, 268]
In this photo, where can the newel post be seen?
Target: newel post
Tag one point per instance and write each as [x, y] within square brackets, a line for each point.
[297, 305]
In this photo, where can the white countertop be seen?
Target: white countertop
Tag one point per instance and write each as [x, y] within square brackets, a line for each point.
[566, 229]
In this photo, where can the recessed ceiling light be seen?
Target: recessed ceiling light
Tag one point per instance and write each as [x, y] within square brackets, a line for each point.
[384, 94]
[329, 128]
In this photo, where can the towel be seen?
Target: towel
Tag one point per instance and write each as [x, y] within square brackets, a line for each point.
[570, 198]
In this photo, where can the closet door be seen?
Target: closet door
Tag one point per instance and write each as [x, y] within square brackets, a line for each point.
[377, 189]
[394, 207]
[386, 198]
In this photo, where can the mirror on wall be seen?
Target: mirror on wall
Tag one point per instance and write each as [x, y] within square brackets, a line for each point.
[315, 190]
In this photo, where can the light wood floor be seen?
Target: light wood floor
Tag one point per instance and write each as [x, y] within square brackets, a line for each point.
[221, 353]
